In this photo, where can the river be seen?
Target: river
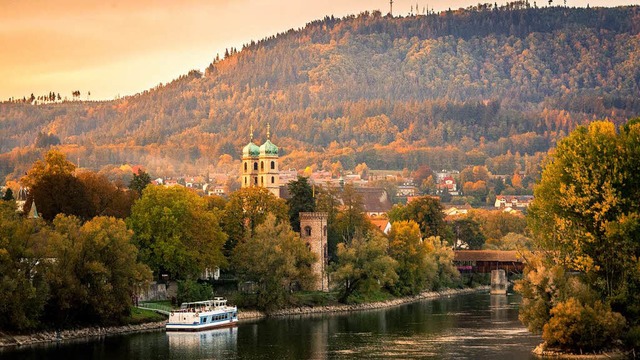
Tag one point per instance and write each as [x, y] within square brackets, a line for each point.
[474, 326]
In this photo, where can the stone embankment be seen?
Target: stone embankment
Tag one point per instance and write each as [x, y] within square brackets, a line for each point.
[53, 336]
[247, 315]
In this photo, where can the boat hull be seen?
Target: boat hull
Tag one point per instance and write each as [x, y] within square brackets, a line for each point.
[200, 327]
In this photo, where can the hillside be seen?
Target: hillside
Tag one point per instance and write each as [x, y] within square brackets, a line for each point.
[480, 86]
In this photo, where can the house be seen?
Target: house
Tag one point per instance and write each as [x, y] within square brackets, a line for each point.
[407, 189]
[456, 210]
[448, 184]
[375, 200]
[513, 201]
[382, 223]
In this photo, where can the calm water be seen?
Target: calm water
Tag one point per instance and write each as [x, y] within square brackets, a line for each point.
[477, 326]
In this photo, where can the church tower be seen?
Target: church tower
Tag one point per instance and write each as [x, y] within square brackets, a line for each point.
[269, 174]
[250, 155]
[313, 231]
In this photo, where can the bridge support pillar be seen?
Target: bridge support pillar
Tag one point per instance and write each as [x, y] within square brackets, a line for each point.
[498, 282]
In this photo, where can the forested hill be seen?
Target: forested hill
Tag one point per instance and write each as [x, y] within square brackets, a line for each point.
[466, 87]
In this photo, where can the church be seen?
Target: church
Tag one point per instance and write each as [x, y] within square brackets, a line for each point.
[260, 165]
[260, 169]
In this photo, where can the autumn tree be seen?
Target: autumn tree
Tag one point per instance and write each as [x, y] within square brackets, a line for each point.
[277, 260]
[175, 233]
[60, 193]
[363, 267]
[55, 163]
[587, 221]
[106, 198]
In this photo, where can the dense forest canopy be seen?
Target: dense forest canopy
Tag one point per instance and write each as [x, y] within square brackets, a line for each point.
[466, 87]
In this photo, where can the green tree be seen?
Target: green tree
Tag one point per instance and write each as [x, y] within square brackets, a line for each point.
[191, 290]
[301, 200]
[139, 182]
[96, 274]
[351, 219]
[24, 289]
[175, 232]
[246, 209]
[427, 212]
[363, 267]
[467, 231]
[442, 255]
[276, 259]
[8, 195]
[414, 269]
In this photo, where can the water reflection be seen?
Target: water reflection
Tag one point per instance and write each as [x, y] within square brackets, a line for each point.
[204, 344]
[477, 326]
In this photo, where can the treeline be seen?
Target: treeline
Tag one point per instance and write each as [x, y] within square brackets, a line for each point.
[464, 79]
[82, 258]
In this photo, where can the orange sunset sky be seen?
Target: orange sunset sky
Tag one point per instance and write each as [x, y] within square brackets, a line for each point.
[119, 48]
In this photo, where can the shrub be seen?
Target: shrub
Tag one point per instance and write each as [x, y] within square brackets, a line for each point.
[576, 326]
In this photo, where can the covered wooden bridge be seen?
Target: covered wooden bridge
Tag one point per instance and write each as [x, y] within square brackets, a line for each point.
[483, 261]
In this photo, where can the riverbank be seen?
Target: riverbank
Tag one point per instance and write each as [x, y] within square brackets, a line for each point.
[542, 351]
[7, 340]
[251, 315]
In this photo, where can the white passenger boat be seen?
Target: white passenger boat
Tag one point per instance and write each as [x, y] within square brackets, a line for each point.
[203, 315]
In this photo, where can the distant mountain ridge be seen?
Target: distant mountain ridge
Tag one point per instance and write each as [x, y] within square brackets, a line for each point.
[452, 89]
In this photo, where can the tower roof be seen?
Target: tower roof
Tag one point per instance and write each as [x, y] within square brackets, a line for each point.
[268, 148]
[251, 150]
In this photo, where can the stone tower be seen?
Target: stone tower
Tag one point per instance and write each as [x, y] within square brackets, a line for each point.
[269, 175]
[250, 155]
[313, 230]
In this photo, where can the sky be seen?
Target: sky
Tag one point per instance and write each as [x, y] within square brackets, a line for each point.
[114, 48]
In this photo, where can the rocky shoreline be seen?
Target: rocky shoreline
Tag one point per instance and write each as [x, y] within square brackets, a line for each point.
[8, 340]
[250, 315]
[544, 352]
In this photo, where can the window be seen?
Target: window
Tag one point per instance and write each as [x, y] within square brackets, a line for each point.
[261, 165]
[255, 165]
[307, 230]
[273, 180]
[245, 181]
[245, 167]
[261, 180]
[273, 165]
[255, 180]
[324, 230]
